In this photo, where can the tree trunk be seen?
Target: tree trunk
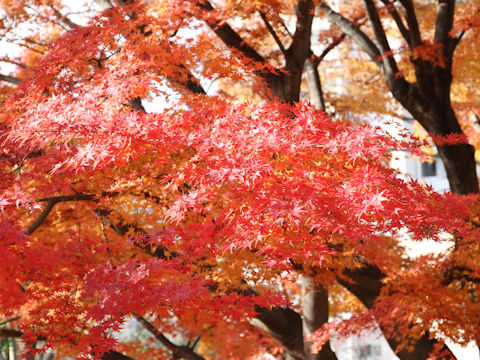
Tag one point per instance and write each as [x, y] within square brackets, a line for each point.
[366, 283]
[315, 314]
[431, 106]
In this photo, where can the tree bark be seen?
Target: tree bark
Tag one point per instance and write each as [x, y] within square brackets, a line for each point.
[315, 315]
[366, 283]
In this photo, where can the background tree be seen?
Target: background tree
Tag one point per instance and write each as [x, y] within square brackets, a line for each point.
[202, 210]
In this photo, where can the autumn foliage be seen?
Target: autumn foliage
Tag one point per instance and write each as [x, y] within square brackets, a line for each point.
[203, 217]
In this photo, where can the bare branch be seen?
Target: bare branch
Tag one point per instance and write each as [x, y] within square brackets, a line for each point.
[36, 224]
[330, 47]
[64, 19]
[51, 202]
[409, 11]
[398, 20]
[178, 352]
[109, 355]
[443, 26]
[314, 84]
[231, 38]
[272, 32]
[10, 333]
[299, 49]
[390, 65]
[114, 355]
[315, 314]
[10, 79]
[10, 319]
[192, 83]
[285, 326]
[7, 60]
[458, 39]
[62, 198]
[353, 31]
[366, 284]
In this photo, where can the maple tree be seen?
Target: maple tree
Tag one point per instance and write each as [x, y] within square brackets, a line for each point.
[218, 223]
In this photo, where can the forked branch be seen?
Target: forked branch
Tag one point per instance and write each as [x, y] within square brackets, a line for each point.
[178, 352]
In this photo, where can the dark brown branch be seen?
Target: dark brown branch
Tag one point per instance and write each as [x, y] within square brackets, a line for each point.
[36, 224]
[443, 26]
[19, 43]
[414, 29]
[315, 315]
[398, 20]
[114, 355]
[64, 19]
[10, 333]
[366, 284]
[192, 84]
[421, 67]
[286, 85]
[63, 198]
[51, 202]
[19, 64]
[178, 352]
[457, 39]
[390, 66]
[353, 31]
[10, 319]
[318, 59]
[272, 32]
[299, 49]
[285, 326]
[10, 79]
[122, 229]
[231, 38]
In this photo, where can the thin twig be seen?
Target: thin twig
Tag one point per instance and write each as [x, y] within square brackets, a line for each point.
[272, 32]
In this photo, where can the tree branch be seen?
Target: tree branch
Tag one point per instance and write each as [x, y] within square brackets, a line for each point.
[409, 11]
[64, 19]
[314, 84]
[230, 37]
[421, 67]
[396, 83]
[114, 355]
[51, 202]
[457, 39]
[366, 284]
[443, 26]
[353, 31]
[390, 65]
[10, 333]
[272, 32]
[299, 49]
[7, 60]
[109, 355]
[318, 59]
[190, 84]
[315, 314]
[398, 20]
[10, 79]
[178, 352]
[285, 326]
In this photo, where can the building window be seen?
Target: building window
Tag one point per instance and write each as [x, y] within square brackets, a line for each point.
[369, 352]
[429, 169]
[365, 352]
